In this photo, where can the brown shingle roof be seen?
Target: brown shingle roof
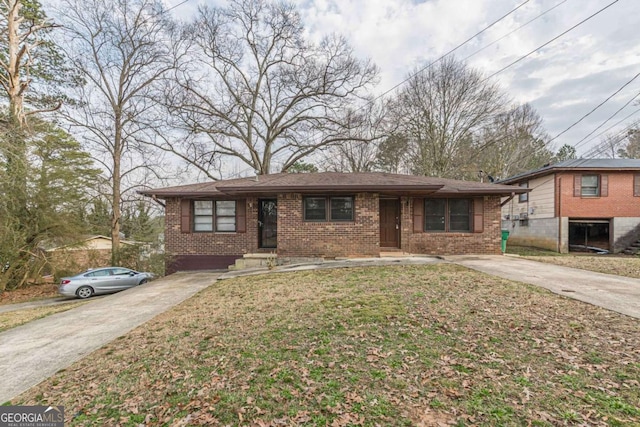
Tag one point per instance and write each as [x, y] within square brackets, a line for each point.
[334, 182]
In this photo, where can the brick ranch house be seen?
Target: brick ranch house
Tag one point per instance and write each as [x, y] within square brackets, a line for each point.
[210, 225]
[576, 203]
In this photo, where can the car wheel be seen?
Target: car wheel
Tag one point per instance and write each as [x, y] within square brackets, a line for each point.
[84, 292]
[143, 281]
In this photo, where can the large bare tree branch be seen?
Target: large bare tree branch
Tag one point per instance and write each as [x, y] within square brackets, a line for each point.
[258, 84]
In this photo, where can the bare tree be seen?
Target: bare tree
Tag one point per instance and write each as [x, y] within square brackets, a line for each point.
[391, 155]
[121, 49]
[631, 148]
[258, 92]
[439, 110]
[514, 141]
[366, 126]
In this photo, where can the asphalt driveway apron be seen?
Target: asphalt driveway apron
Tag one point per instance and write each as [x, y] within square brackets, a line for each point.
[33, 352]
[616, 293]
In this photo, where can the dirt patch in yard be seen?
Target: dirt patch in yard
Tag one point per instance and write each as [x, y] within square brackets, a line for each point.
[398, 346]
[29, 293]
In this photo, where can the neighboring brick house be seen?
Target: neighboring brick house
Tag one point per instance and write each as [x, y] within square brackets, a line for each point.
[576, 203]
[210, 225]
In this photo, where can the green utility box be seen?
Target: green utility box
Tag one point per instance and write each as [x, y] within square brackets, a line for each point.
[505, 236]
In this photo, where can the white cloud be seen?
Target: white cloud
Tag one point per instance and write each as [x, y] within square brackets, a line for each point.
[563, 81]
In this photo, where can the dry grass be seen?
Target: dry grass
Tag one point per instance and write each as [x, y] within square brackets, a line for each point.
[628, 266]
[622, 265]
[402, 345]
[20, 317]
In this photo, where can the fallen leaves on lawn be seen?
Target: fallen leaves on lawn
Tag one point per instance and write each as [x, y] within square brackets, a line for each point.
[405, 345]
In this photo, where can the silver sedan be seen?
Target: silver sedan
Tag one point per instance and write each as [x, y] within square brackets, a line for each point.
[101, 281]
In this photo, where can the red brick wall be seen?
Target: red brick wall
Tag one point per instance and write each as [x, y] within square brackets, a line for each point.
[325, 239]
[179, 245]
[619, 202]
[328, 239]
[487, 242]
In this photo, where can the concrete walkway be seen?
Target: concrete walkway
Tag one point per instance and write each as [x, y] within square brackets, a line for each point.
[33, 352]
[616, 293]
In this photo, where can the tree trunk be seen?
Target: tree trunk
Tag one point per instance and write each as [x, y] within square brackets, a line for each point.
[115, 200]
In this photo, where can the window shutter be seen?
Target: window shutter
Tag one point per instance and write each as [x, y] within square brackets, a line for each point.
[478, 215]
[185, 215]
[577, 185]
[604, 185]
[636, 185]
[418, 215]
[241, 216]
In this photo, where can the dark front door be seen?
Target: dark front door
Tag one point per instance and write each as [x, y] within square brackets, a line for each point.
[389, 223]
[268, 223]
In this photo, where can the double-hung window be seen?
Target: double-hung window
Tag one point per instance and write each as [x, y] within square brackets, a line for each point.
[590, 186]
[338, 208]
[448, 215]
[218, 215]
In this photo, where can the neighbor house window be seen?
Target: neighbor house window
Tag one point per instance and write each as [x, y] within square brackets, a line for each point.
[524, 196]
[590, 185]
[209, 215]
[448, 215]
[328, 208]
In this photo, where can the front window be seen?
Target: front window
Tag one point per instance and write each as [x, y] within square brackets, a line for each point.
[459, 215]
[328, 208]
[589, 186]
[448, 215]
[225, 215]
[315, 209]
[435, 214]
[209, 215]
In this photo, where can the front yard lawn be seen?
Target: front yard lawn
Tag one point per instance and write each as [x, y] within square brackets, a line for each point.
[391, 346]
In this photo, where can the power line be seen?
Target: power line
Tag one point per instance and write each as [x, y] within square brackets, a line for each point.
[594, 109]
[605, 122]
[612, 126]
[175, 6]
[529, 54]
[516, 30]
[423, 68]
[552, 40]
[617, 137]
[451, 51]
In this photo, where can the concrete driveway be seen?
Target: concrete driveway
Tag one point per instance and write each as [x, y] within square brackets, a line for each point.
[616, 293]
[33, 352]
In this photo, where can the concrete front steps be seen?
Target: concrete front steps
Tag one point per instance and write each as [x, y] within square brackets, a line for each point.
[261, 260]
[633, 248]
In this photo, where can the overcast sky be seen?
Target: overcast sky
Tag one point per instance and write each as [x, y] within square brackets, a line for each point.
[563, 81]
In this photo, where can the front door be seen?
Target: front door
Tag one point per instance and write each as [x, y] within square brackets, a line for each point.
[268, 223]
[389, 223]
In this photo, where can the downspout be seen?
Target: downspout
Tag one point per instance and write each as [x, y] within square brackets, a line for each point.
[559, 211]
